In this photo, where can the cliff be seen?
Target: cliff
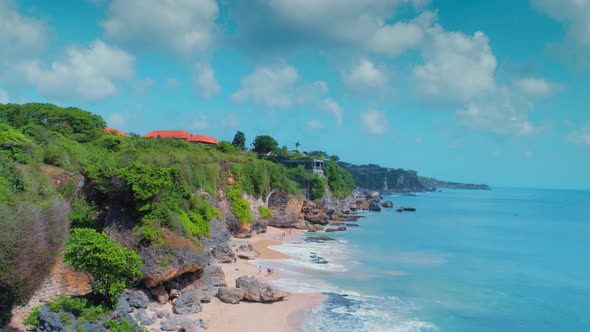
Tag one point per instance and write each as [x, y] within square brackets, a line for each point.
[388, 180]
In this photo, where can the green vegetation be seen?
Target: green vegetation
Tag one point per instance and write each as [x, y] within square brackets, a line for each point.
[264, 212]
[112, 266]
[33, 317]
[264, 144]
[123, 326]
[239, 140]
[239, 206]
[60, 171]
[339, 180]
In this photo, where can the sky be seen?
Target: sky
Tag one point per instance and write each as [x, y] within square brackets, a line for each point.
[480, 91]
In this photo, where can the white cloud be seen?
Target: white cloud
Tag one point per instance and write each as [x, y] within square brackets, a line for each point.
[204, 81]
[536, 87]
[364, 75]
[81, 73]
[326, 24]
[314, 125]
[278, 87]
[332, 107]
[180, 26]
[4, 98]
[581, 136]
[503, 113]
[575, 16]
[457, 67]
[396, 38]
[374, 122]
[20, 35]
[269, 86]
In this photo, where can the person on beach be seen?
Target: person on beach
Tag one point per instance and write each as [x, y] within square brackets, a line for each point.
[268, 272]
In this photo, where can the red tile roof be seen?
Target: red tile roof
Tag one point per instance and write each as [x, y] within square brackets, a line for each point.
[203, 139]
[169, 134]
[116, 131]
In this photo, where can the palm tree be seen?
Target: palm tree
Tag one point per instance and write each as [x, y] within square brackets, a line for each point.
[297, 145]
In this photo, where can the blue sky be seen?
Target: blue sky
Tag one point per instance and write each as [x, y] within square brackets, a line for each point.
[478, 91]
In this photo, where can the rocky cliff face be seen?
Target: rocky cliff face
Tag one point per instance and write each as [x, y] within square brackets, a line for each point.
[382, 179]
[388, 180]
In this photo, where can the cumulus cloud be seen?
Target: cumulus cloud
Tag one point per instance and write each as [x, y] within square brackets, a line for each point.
[394, 39]
[536, 87]
[503, 113]
[326, 24]
[87, 73]
[20, 35]
[457, 67]
[278, 87]
[581, 136]
[180, 27]
[374, 122]
[333, 108]
[366, 76]
[575, 16]
[204, 81]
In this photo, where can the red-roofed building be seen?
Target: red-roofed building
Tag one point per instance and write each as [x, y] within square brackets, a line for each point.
[202, 139]
[178, 134]
[115, 131]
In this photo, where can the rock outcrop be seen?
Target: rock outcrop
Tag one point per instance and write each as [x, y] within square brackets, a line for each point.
[188, 303]
[230, 295]
[178, 262]
[387, 204]
[286, 210]
[258, 290]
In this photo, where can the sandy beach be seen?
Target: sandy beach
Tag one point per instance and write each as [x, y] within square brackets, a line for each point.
[258, 317]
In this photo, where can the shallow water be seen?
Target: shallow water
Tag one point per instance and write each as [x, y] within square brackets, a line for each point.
[500, 260]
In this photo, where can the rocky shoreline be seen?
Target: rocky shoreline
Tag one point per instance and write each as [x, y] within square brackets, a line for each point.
[180, 283]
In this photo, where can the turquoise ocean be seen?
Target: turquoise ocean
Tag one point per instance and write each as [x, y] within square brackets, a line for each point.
[499, 260]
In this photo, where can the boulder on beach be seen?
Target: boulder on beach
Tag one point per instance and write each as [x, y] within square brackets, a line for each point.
[230, 295]
[188, 303]
[223, 254]
[258, 290]
[160, 294]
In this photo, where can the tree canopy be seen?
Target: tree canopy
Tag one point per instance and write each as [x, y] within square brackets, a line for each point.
[264, 144]
[111, 265]
[239, 140]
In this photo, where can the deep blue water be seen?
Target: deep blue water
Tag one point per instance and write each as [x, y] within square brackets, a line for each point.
[500, 260]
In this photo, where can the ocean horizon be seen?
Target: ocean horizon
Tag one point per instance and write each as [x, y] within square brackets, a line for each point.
[509, 259]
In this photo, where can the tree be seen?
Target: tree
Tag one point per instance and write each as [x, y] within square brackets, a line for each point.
[264, 144]
[239, 140]
[297, 145]
[111, 266]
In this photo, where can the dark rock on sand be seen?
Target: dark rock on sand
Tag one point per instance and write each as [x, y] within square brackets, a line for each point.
[230, 295]
[160, 294]
[188, 303]
[223, 254]
[169, 324]
[137, 299]
[258, 290]
[144, 318]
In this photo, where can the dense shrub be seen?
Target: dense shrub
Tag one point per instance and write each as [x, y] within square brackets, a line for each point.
[339, 180]
[264, 212]
[111, 266]
[239, 206]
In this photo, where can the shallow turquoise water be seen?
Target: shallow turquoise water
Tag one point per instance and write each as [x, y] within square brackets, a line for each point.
[500, 260]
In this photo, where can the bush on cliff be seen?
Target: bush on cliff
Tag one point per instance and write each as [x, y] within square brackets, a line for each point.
[239, 206]
[339, 180]
[111, 266]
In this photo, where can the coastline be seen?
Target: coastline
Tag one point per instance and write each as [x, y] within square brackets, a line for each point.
[285, 315]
